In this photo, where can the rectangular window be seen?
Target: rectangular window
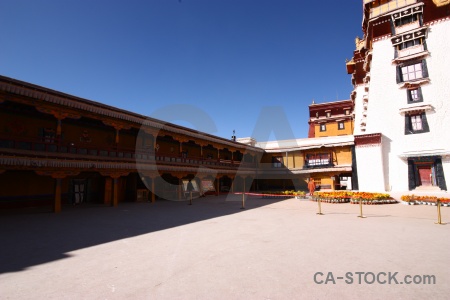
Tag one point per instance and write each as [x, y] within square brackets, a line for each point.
[414, 95]
[341, 126]
[321, 159]
[406, 20]
[416, 123]
[323, 127]
[277, 161]
[412, 72]
[410, 43]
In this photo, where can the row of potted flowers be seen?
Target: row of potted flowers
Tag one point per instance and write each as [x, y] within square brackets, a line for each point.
[426, 200]
[353, 197]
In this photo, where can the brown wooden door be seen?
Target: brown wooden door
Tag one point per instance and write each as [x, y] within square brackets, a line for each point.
[425, 175]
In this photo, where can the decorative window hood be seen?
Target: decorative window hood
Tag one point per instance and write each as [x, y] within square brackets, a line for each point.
[415, 109]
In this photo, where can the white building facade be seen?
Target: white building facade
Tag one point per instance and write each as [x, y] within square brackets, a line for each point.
[401, 72]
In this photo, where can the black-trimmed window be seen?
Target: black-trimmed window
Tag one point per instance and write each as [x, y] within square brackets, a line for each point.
[413, 71]
[416, 123]
[414, 95]
[323, 127]
[410, 43]
[341, 125]
[318, 159]
[277, 161]
[406, 20]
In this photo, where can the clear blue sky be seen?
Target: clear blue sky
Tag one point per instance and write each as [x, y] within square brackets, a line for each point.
[228, 58]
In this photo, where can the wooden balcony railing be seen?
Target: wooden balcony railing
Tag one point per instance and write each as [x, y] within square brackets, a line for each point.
[40, 145]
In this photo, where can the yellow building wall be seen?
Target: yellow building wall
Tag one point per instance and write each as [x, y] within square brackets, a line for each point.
[332, 129]
[342, 156]
[294, 159]
[299, 159]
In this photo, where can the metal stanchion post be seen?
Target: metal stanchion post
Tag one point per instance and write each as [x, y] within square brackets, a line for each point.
[439, 213]
[320, 207]
[243, 196]
[360, 209]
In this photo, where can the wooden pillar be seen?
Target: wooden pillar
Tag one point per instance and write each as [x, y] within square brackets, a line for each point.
[57, 201]
[154, 134]
[115, 201]
[58, 176]
[202, 145]
[108, 190]
[59, 115]
[117, 136]
[58, 128]
[117, 126]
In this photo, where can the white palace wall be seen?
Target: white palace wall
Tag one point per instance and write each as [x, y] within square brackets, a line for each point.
[386, 98]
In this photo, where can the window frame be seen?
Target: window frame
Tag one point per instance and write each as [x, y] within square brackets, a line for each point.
[409, 127]
[423, 68]
[323, 127]
[408, 19]
[410, 43]
[339, 125]
[314, 160]
[277, 162]
[410, 97]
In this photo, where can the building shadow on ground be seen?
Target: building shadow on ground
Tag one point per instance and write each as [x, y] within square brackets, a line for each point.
[38, 237]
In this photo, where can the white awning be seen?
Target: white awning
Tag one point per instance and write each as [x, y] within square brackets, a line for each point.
[415, 108]
[422, 153]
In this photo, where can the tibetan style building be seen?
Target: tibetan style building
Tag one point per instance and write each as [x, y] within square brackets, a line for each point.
[331, 119]
[391, 135]
[59, 149]
[328, 160]
[400, 73]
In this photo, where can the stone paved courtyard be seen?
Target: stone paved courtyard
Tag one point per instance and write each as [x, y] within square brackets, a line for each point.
[214, 250]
